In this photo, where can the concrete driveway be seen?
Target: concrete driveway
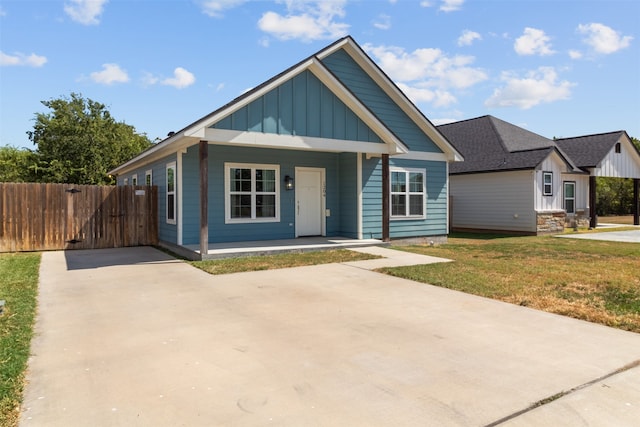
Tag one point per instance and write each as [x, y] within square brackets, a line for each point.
[132, 337]
[629, 236]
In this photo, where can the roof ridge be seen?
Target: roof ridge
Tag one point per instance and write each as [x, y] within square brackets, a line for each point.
[591, 134]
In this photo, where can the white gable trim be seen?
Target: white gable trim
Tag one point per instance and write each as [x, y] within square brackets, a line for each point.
[201, 129]
[292, 142]
[391, 89]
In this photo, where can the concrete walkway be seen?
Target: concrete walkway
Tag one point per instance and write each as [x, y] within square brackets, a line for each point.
[629, 236]
[132, 337]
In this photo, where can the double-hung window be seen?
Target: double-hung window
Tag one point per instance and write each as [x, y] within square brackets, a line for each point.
[148, 177]
[171, 193]
[134, 180]
[252, 193]
[408, 193]
[547, 183]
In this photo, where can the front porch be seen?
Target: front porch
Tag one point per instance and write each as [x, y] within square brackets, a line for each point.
[269, 247]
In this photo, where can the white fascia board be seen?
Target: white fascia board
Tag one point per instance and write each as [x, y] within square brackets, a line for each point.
[423, 155]
[198, 130]
[163, 149]
[397, 96]
[360, 110]
[291, 142]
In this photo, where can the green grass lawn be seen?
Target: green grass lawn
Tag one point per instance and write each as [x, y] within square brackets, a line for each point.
[591, 280]
[285, 260]
[19, 288]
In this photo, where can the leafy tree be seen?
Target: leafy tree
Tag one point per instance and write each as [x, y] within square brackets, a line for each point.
[79, 141]
[17, 164]
[615, 195]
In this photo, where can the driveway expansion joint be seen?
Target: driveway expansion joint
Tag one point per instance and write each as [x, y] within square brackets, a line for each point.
[563, 393]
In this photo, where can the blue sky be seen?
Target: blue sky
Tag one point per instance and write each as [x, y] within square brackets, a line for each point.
[557, 68]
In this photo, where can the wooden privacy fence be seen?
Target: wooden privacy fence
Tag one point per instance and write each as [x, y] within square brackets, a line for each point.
[36, 217]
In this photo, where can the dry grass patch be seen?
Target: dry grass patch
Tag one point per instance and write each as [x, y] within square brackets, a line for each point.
[272, 262]
[590, 280]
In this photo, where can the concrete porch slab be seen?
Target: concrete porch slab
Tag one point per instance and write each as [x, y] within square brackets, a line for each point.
[270, 247]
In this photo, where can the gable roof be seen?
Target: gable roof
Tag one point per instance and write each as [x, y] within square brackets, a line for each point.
[588, 151]
[489, 144]
[200, 129]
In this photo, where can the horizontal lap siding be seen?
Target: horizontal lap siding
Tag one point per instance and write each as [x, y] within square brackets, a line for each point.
[348, 213]
[301, 106]
[372, 198]
[288, 160]
[493, 201]
[436, 203]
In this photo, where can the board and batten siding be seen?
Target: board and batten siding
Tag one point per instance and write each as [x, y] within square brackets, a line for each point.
[553, 163]
[376, 100]
[582, 190]
[493, 201]
[301, 106]
[624, 164]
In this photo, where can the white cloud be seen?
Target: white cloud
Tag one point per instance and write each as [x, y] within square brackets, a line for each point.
[419, 93]
[32, 60]
[85, 12]
[110, 74]
[603, 39]
[428, 64]
[575, 54]
[538, 86]
[306, 20]
[426, 3]
[467, 37]
[215, 8]
[181, 79]
[383, 22]
[533, 42]
[451, 5]
[427, 74]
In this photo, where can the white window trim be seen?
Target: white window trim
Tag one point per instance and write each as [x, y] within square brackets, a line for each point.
[126, 181]
[408, 193]
[565, 198]
[148, 173]
[171, 165]
[134, 179]
[544, 184]
[227, 193]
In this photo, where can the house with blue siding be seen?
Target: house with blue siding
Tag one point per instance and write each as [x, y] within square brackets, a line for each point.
[329, 147]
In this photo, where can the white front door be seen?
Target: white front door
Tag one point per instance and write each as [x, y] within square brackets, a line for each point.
[309, 202]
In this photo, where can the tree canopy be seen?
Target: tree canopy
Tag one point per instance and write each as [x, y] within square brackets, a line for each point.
[78, 142]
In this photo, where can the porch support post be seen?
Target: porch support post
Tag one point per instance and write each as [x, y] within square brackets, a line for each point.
[636, 203]
[385, 197]
[204, 197]
[593, 223]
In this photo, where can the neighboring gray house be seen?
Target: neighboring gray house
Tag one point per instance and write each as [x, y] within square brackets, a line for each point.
[328, 147]
[517, 181]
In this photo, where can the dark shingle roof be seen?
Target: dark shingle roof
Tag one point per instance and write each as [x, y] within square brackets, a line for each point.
[587, 151]
[490, 144]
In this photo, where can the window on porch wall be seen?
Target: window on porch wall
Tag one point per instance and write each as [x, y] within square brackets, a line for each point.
[252, 193]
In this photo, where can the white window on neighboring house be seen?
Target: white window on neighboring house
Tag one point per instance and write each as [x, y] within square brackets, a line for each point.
[126, 181]
[252, 193]
[408, 193]
[134, 180]
[171, 193]
[547, 183]
[148, 178]
[570, 197]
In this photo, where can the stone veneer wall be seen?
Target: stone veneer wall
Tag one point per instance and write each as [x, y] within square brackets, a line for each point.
[580, 220]
[550, 222]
